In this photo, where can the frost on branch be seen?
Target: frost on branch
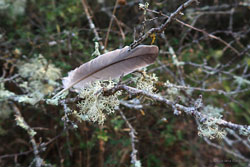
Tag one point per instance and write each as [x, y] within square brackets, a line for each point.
[94, 105]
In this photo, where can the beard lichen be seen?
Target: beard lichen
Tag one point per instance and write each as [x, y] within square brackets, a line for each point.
[94, 106]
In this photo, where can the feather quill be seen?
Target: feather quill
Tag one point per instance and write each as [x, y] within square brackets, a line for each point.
[110, 65]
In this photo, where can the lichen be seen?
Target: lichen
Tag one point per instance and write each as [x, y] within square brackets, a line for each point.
[13, 8]
[38, 79]
[241, 80]
[5, 94]
[39, 69]
[20, 122]
[173, 93]
[146, 82]
[174, 58]
[209, 128]
[55, 101]
[5, 110]
[94, 106]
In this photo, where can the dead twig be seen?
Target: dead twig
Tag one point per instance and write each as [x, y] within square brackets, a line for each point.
[163, 26]
[91, 23]
[110, 25]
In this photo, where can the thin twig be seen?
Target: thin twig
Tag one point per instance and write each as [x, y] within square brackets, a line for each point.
[110, 25]
[38, 161]
[91, 23]
[163, 26]
[132, 134]
[199, 30]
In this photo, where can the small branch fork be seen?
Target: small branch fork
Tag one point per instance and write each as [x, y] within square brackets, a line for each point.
[163, 26]
[175, 106]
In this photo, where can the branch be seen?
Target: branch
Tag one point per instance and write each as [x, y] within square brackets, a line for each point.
[163, 26]
[175, 106]
[207, 90]
[132, 134]
[110, 25]
[21, 122]
[91, 23]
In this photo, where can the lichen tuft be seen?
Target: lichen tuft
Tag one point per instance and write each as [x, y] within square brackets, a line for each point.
[94, 106]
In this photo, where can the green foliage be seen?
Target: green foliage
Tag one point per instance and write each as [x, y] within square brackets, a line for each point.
[170, 137]
[153, 161]
[117, 123]
[103, 135]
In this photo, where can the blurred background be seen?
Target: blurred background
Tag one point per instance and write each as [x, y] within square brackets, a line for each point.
[216, 56]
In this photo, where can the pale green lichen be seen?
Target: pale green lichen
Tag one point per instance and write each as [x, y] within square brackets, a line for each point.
[174, 58]
[241, 81]
[94, 107]
[4, 4]
[40, 79]
[55, 101]
[209, 128]
[246, 132]
[5, 110]
[96, 53]
[39, 69]
[212, 111]
[173, 93]
[146, 82]
[144, 7]
[13, 8]
[20, 122]
[5, 94]
[137, 163]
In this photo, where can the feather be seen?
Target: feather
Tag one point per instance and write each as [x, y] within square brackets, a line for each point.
[110, 65]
